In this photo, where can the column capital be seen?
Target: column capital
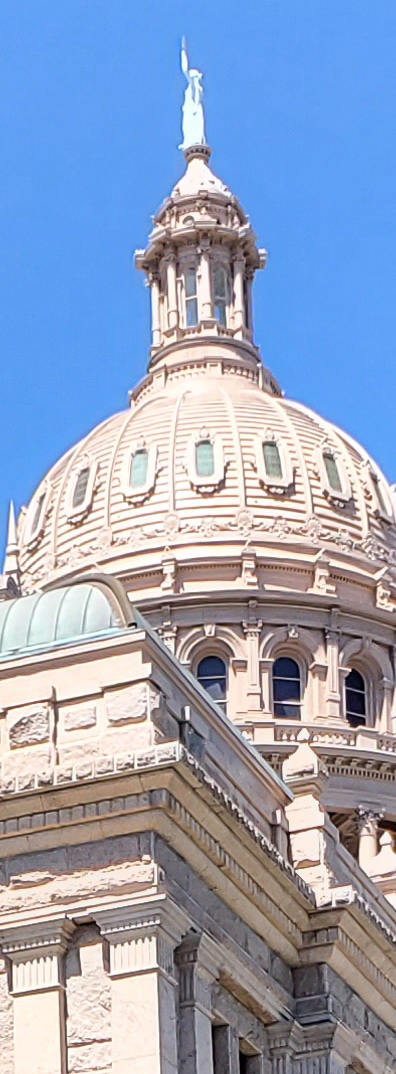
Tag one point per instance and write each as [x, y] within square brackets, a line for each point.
[198, 969]
[368, 818]
[142, 938]
[35, 950]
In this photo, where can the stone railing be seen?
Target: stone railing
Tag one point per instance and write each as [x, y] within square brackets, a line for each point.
[359, 738]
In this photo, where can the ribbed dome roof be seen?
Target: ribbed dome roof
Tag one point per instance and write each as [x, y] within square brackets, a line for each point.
[273, 475]
[222, 404]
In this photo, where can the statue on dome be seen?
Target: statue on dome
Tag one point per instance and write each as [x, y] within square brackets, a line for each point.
[193, 113]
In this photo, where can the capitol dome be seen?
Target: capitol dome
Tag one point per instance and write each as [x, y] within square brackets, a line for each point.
[259, 539]
[274, 474]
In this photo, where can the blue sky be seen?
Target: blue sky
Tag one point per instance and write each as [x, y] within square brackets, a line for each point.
[300, 113]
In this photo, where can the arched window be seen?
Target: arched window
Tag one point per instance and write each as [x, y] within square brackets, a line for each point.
[212, 675]
[272, 459]
[220, 295]
[138, 468]
[332, 472]
[204, 458]
[355, 698]
[381, 501]
[191, 300]
[37, 518]
[80, 487]
[286, 686]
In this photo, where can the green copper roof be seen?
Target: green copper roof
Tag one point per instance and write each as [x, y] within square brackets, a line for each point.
[57, 616]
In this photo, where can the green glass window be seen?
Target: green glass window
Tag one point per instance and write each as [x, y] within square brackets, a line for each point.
[272, 459]
[204, 458]
[379, 495]
[138, 468]
[191, 298]
[80, 488]
[220, 295]
[332, 473]
[37, 514]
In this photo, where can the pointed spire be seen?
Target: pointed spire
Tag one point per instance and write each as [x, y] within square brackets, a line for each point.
[11, 561]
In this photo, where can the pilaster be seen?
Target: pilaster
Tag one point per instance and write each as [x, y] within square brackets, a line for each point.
[141, 942]
[252, 630]
[36, 954]
[196, 975]
[205, 312]
[333, 698]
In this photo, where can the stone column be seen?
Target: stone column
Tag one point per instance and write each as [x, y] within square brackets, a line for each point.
[196, 975]
[155, 310]
[141, 942]
[170, 262]
[368, 820]
[36, 955]
[333, 697]
[205, 310]
[252, 633]
[239, 303]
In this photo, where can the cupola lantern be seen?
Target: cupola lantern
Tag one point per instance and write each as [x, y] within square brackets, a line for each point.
[202, 254]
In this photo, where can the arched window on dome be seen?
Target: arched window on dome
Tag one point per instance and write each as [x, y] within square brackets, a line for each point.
[80, 490]
[273, 463]
[332, 472]
[333, 475]
[286, 688]
[220, 294]
[212, 675]
[80, 487]
[355, 698]
[138, 467]
[36, 517]
[190, 298]
[381, 500]
[138, 472]
[205, 460]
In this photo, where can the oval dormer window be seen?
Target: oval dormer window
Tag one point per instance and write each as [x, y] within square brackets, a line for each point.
[272, 459]
[332, 472]
[191, 299]
[80, 491]
[381, 501]
[273, 463]
[204, 458]
[220, 290]
[80, 488]
[333, 475]
[36, 518]
[37, 515]
[138, 468]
